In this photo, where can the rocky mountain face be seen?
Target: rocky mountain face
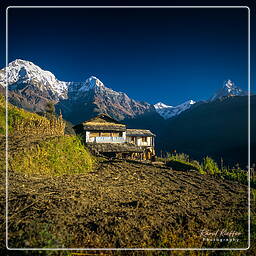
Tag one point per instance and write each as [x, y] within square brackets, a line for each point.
[32, 88]
[93, 97]
[229, 89]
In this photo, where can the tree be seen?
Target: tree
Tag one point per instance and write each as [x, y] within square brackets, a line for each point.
[49, 108]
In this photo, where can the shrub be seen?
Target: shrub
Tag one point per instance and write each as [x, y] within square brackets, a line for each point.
[179, 157]
[210, 166]
[181, 162]
[58, 155]
[235, 175]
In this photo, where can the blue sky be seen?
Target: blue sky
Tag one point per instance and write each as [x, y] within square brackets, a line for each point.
[168, 55]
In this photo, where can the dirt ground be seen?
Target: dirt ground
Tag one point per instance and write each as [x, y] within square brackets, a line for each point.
[121, 204]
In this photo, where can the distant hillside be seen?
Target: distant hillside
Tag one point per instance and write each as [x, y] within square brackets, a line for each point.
[217, 129]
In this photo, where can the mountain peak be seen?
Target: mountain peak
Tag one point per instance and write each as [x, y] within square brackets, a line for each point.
[229, 89]
[91, 83]
[20, 61]
[188, 102]
[229, 84]
[94, 82]
[161, 105]
[22, 71]
[169, 111]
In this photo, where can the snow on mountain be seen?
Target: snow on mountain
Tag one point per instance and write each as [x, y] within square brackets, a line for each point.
[22, 71]
[229, 89]
[32, 88]
[169, 111]
[161, 105]
[91, 83]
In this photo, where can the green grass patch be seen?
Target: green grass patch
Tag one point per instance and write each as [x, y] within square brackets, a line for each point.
[182, 162]
[236, 175]
[210, 166]
[54, 156]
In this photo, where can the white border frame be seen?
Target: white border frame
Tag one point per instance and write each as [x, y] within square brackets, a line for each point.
[128, 249]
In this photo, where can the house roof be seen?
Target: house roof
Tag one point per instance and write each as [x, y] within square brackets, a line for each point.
[114, 147]
[102, 122]
[139, 132]
[102, 118]
[100, 127]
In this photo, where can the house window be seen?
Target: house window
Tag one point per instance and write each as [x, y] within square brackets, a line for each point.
[117, 134]
[133, 139]
[144, 139]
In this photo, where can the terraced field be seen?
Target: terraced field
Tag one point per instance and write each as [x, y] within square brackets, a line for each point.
[122, 204]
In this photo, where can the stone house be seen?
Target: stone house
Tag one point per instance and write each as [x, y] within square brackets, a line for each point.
[107, 136]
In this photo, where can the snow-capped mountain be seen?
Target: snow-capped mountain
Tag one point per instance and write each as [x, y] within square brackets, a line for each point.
[31, 87]
[161, 105]
[169, 111]
[229, 89]
[21, 72]
[92, 97]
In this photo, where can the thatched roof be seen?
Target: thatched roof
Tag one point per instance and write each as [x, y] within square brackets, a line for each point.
[114, 147]
[104, 128]
[101, 122]
[139, 132]
[102, 118]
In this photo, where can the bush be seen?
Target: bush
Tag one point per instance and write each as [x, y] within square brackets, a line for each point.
[235, 175]
[55, 156]
[181, 162]
[179, 157]
[210, 166]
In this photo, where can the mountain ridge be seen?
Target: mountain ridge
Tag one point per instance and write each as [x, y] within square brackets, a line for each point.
[170, 111]
[31, 88]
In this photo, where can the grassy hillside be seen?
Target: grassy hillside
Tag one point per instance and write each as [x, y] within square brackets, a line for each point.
[50, 156]
[22, 122]
[39, 146]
